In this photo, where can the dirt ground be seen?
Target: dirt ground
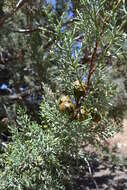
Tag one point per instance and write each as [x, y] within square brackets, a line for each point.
[120, 140]
[108, 175]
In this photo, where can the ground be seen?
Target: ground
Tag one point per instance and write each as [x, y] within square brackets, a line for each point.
[120, 140]
[108, 174]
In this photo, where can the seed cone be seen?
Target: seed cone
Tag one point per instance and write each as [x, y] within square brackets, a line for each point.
[65, 104]
[79, 89]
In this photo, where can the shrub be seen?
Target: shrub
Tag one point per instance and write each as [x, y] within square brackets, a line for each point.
[76, 113]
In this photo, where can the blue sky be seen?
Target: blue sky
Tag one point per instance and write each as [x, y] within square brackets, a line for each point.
[70, 14]
[53, 2]
[3, 86]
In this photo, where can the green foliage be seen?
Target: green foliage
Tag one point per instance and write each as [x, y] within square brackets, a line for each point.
[31, 159]
[34, 158]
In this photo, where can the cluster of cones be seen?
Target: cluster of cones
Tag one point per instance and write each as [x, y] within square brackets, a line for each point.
[77, 112]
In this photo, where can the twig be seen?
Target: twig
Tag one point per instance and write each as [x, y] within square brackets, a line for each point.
[91, 175]
[70, 21]
[20, 4]
[27, 31]
[21, 95]
[91, 69]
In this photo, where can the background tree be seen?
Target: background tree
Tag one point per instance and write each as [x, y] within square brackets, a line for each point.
[69, 57]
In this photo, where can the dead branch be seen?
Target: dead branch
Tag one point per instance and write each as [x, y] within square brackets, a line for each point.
[20, 4]
[22, 95]
[27, 31]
